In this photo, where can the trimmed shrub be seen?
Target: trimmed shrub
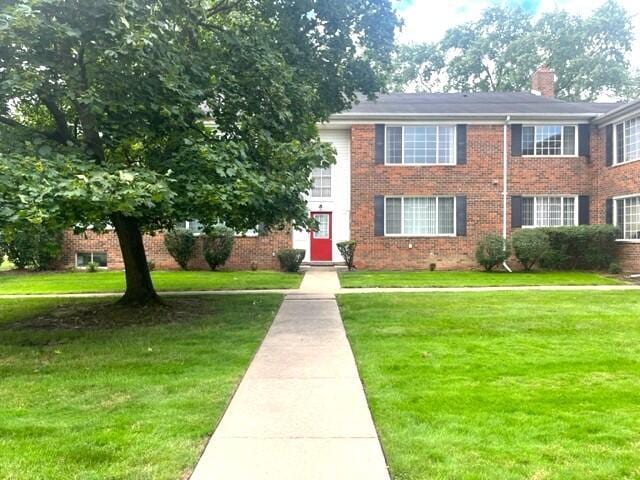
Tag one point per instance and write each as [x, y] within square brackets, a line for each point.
[614, 268]
[291, 258]
[34, 246]
[491, 251]
[587, 247]
[347, 250]
[92, 267]
[529, 246]
[180, 243]
[217, 246]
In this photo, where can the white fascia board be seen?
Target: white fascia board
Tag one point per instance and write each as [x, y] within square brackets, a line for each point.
[619, 114]
[467, 117]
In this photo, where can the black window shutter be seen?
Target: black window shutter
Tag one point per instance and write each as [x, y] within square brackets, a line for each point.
[583, 210]
[584, 142]
[378, 207]
[379, 143]
[609, 145]
[461, 216]
[516, 139]
[516, 211]
[608, 211]
[461, 144]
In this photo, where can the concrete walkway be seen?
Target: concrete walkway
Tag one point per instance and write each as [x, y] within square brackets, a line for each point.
[300, 412]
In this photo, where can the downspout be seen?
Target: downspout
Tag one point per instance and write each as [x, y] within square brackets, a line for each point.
[505, 187]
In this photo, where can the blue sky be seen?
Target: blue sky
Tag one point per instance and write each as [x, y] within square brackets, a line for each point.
[428, 20]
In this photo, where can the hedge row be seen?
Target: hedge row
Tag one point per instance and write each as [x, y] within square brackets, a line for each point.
[585, 247]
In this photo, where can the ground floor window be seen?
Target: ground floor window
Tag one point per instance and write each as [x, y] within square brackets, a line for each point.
[545, 211]
[197, 229]
[627, 215]
[83, 259]
[420, 216]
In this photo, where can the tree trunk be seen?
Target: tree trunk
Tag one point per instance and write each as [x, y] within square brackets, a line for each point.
[139, 289]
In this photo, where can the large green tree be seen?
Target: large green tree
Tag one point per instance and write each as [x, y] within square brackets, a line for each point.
[141, 113]
[501, 50]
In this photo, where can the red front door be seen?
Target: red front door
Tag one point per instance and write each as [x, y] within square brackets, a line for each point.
[321, 238]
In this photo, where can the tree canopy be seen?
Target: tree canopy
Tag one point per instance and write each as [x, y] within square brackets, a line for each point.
[501, 50]
[142, 113]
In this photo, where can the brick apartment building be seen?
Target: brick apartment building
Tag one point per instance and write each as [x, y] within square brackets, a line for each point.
[420, 178]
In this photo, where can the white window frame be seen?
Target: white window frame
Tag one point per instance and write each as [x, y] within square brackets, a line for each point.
[615, 216]
[561, 125]
[616, 161]
[311, 195]
[326, 236]
[402, 198]
[92, 253]
[576, 208]
[454, 154]
[249, 233]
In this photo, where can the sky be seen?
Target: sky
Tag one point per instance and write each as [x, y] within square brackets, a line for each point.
[428, 20]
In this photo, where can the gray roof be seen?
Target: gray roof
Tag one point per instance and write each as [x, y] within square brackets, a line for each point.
[476, 104]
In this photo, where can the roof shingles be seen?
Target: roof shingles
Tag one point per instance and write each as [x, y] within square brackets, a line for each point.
[485, 103]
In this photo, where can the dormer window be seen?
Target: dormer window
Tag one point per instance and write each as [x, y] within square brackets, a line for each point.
[549, 140]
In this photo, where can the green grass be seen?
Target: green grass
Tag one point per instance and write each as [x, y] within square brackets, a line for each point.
[113, 281]
[425, 278]
[503, 385]
[85, 394]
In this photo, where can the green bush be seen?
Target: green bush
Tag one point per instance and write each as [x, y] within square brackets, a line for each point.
[491, 251]
[614, 268]
[217, 246]
[92, 267]
[34, 246]
[291, 258]
[529, 246]
[180, 243]
[587, 247]
[347, 250]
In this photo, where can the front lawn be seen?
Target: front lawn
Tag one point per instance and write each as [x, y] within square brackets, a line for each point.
[426, 278]
[93, 391]
[504, 385]
[113, 281]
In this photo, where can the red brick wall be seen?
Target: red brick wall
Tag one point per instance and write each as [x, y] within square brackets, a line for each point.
[246, 250]
[609, 182]
[480, 180]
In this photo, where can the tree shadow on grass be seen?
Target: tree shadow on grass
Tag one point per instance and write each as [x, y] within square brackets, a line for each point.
[88, 316]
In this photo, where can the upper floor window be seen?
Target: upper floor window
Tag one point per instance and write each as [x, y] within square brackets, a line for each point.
[627, 141]
[419, 216]
[627, 217]
[549, 140]
[549, 211]
[420, 145]
[321, 178]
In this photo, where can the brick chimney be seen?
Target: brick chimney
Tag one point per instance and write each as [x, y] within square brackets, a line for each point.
[543, 82]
